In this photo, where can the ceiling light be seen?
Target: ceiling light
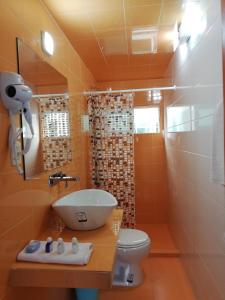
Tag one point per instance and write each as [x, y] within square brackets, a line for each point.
[47, 43]
[144, 40]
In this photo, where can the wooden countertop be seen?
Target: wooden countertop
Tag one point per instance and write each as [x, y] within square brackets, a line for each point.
[97, 273]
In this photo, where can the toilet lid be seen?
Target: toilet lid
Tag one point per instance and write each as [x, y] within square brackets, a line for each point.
[132, 238]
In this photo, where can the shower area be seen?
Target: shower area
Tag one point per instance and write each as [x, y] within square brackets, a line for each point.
[112, 149]
[127, 156]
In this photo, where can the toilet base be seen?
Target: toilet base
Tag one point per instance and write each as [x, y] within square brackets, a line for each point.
[127, 274]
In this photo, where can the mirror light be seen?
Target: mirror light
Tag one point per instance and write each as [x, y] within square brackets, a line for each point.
[47, 43]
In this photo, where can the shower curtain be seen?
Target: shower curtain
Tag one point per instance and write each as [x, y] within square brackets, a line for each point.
[112, 149]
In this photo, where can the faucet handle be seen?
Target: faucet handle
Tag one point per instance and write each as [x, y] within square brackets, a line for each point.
[58, 174]
[55, 178]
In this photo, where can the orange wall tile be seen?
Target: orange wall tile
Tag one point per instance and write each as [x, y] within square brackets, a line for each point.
[25, 205]
[150, 163]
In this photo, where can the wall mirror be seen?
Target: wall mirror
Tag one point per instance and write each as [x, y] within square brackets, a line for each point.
[50, 145]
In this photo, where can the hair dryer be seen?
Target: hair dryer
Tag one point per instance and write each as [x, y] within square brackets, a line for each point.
[16, 96]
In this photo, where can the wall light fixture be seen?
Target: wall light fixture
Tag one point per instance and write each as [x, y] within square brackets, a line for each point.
[47, 42]
[194, 21]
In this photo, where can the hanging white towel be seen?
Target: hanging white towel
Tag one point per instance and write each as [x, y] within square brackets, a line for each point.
[80, 258]
[217, 167]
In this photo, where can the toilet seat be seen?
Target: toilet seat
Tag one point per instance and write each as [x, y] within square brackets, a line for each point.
[132, 238]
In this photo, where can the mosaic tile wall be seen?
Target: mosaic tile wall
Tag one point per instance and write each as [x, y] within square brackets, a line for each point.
[57, 150]
[112, 149]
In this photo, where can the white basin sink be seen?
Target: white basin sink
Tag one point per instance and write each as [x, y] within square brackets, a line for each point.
[85, 209]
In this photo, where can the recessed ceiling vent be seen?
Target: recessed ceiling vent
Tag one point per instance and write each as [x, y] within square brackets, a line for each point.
[144, 40]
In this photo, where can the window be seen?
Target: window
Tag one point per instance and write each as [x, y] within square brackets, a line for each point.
[56, 124]
[154, 96]
[146, 120]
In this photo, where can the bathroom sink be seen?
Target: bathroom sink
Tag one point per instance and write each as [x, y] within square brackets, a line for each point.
[85, 209]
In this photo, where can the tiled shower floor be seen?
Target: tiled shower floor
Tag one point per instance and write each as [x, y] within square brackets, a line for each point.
[165, 278]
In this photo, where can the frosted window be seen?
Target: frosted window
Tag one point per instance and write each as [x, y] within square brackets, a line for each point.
[146, 120]
[56, 124]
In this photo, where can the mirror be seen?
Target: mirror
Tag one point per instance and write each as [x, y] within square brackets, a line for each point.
[50, 145]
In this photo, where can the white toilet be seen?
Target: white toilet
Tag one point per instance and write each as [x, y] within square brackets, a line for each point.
[133, 245]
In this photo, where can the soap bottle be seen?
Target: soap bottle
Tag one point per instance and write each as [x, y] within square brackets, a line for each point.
[75, 245]
[60, 246]
[49, 245]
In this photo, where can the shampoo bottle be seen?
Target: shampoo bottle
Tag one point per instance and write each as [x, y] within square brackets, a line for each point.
[49, 245]
[60, 246]
[75, 245]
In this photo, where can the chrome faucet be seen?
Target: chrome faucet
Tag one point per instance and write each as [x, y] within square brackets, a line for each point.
[60, 176]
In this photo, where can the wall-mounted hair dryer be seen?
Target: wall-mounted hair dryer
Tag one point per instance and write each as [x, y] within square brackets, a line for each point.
[16, 96]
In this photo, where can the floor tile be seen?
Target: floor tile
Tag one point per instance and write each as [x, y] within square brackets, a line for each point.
[165, 279]
[161, 240]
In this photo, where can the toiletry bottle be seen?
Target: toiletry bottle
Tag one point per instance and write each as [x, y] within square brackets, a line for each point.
[60, 246]
[49, 245]
[33, 246]
[75, 245]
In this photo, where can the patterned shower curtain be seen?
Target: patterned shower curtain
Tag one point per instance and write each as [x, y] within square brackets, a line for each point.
[112, 149]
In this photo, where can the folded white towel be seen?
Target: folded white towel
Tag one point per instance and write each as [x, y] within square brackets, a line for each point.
[80, 258]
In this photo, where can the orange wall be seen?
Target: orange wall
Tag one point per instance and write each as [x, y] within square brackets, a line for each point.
[24, 205]
[150, 163]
